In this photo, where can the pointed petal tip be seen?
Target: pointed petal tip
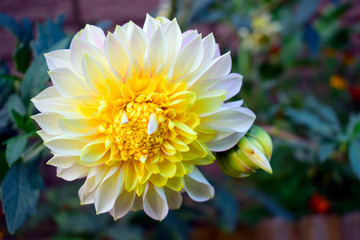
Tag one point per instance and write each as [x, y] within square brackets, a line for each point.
[153, 124]
[268, 169]
[143, 158]
[124, 118]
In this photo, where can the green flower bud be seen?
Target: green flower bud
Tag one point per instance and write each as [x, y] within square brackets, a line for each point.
[252, 152]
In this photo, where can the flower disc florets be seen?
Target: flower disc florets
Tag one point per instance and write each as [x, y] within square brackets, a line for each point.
[136, 111]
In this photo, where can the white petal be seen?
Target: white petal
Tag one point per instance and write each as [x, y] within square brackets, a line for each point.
[174, 198]
[47, 93]
[162, 20]
[153, 124]
[77, 127]
[155, 204]
[62, 161]
[70, 147]
[49, 122]
[49, 100]
[231, 83]
[138, 43]
[173, 36]
[118, 55]
[86, 197]
[128, 27]
[121, 34]
[189, 58]
[209, 48]
[45, 136]
[74, 172]
[109, 189]
[79, 48]
[66, 82]
[157, 51]
[150, 25]
[93, 151]
[217, 51]
[225, 143]
[188, 36]
[59, 59]
[95, 176]
[95, 74]
[236, 119]
[93, 35]
[123, 204]
[208, 102]
[197, 186]
[218, 67]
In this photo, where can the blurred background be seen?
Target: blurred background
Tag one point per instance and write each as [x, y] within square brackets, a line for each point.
[301, 65]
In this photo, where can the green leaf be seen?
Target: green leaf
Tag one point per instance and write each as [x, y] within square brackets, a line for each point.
[354, 156]
[35, 78]
[15, 104]
[6, 88]
[14, 147]
[352, 128]
[17, 113]
[19, 195]
[309, 120]
[22, 57]
[325, 112]
[23, 122]
[356, 129]
[5, 120]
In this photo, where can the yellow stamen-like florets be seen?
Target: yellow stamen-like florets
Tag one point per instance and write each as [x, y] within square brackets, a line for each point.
[148, 124]
[128, 131]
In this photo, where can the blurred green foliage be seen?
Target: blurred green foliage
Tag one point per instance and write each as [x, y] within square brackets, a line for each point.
[301, 76]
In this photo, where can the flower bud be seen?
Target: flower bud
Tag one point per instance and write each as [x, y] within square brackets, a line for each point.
[252, 152]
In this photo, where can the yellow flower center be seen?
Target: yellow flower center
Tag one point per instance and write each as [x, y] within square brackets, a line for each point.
[129, 131]
[148, 126]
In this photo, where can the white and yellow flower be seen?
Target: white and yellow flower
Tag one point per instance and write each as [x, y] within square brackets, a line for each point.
[135, 112]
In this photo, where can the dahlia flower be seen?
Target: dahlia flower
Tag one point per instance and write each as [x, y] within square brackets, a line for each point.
[135, 112]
